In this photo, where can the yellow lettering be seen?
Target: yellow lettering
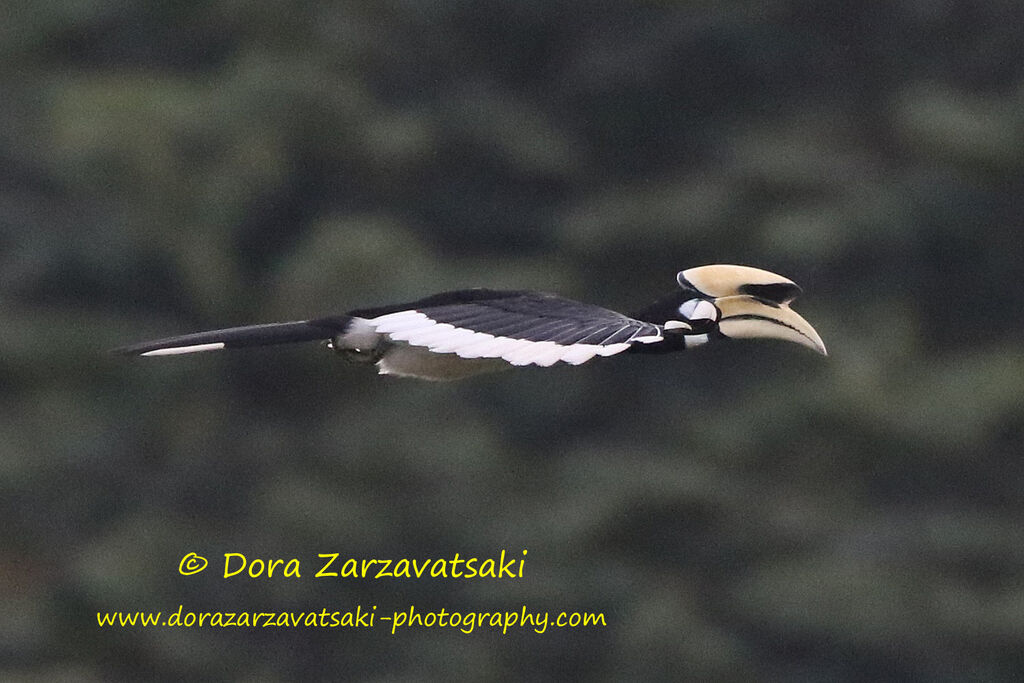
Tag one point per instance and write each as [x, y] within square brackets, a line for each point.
[227, 562]
[323, 570]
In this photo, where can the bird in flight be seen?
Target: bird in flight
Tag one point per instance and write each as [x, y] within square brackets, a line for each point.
[467, 332]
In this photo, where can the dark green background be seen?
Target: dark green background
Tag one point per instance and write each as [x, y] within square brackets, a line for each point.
[750, 511]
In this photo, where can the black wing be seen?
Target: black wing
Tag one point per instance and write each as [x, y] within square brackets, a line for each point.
[520, 327]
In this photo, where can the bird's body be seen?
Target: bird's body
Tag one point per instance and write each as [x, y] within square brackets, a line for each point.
[466, 332]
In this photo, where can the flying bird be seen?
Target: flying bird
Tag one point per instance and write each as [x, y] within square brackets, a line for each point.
[467, 332]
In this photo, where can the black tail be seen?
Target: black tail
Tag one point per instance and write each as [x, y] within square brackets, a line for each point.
[237, 337]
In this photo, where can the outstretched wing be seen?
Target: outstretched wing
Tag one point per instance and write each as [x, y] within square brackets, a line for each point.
[519, 327]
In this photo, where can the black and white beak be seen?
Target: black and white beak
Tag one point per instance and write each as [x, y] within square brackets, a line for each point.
[749, 303]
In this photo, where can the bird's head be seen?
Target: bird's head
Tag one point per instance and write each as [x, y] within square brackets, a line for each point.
[745, 303]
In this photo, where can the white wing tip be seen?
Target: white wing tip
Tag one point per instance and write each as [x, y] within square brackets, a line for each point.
[612, 349]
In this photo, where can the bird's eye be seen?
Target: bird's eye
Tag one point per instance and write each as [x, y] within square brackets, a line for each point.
[699, 309]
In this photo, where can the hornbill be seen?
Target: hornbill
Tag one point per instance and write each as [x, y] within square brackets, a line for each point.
[461, 333]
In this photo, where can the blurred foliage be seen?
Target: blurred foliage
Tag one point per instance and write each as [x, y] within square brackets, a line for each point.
[749, 512]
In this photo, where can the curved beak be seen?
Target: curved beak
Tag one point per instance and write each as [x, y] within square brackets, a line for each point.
[749, 317]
